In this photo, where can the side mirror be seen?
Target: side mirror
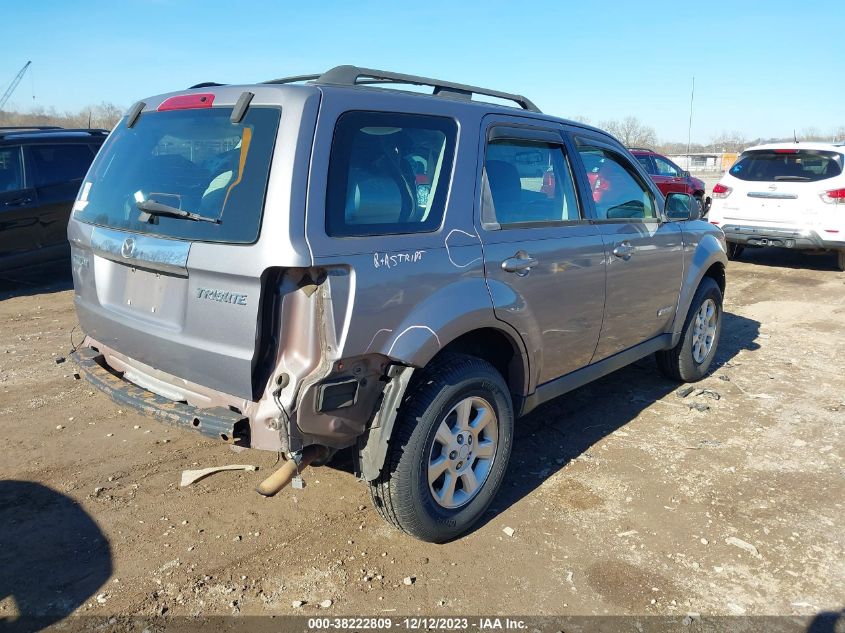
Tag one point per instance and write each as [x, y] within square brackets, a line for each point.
[682, 206]
[685, 174]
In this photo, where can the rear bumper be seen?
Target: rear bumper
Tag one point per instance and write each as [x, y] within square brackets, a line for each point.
[218, 422]
[802, 239]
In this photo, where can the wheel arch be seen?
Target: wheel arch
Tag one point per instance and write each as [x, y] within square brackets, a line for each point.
[708, 261]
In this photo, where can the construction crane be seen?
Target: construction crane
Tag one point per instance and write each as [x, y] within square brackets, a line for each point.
[13, 85]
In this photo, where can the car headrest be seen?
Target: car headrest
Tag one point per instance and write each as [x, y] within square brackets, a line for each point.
[372, 199]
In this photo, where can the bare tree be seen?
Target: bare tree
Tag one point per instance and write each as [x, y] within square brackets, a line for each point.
[729, 142]
[631, 132]
[581, 119]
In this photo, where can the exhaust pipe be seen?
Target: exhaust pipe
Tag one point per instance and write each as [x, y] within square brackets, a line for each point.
[282, 477]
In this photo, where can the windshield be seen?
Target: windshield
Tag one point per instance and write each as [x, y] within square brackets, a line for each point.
[787, 165]
[196, 161]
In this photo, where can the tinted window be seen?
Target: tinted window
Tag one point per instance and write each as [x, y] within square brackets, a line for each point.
[665, 168]
[646, 163]
[194, 160]
[527, 181]
[11, 169]
[617, 193]
[388, 173]
[56, 164]
[787, 165]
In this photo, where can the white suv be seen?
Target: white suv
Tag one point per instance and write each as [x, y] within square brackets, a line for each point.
[790, 195]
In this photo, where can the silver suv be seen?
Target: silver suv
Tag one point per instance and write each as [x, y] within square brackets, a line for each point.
[324, 262]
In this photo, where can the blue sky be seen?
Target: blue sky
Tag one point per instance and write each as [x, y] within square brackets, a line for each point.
[761, 67]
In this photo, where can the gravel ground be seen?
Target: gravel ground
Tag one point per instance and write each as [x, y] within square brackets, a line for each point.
[628, 496]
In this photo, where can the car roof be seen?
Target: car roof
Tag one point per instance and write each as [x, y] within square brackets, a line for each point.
[50, 134]
[830, 147]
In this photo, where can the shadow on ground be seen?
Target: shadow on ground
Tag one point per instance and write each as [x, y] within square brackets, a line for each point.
[786, 258]
[560, 430]
[36, 280]
[53, 556]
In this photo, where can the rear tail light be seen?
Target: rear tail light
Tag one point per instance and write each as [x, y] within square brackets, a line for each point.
[834, 196]
[721, 191]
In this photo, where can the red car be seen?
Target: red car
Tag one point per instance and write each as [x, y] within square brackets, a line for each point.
[670, 178]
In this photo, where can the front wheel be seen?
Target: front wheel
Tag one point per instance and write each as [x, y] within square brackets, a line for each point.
[449, 450]
[690, 359]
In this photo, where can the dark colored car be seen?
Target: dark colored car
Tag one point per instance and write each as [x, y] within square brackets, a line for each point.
[40, 173]
[668, 177]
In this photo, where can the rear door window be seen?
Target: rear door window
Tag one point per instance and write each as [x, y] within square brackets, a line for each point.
[388, 173]
[646, 163]
[665, 168]
[527, 182]
[11, 169]
[787, 165]
[191, 160]
[60, 163]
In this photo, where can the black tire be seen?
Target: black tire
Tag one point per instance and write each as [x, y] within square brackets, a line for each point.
[401, 494]
[735, 250]
[679, 363]
[840, 260]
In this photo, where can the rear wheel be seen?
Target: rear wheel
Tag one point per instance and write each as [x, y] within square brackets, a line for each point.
[735, 250]
[448, 451]
[690, 359]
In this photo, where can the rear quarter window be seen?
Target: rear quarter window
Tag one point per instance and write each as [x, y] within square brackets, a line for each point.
[787, 165]
[389, 173]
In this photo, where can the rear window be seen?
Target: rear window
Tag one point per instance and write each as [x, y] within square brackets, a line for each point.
[787, 165]
[190, 160]
[388, 173]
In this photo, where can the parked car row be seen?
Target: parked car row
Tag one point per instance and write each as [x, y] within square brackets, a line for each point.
[312, 264]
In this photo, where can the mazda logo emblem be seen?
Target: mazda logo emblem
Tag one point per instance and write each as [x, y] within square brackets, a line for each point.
[128, 248]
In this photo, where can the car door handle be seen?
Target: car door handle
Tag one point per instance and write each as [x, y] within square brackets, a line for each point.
[521, 264]
[624, 250]
[16, 202]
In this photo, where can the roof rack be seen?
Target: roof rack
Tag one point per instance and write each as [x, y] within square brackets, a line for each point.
[355, 76]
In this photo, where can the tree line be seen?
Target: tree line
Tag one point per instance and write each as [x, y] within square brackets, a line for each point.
[105, 115]
[632, 132]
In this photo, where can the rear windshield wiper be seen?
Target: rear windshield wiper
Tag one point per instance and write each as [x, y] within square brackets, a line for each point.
[149, 208]
[796, 178]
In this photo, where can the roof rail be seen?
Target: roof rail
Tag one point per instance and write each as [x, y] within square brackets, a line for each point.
[355, 76]
[15, 129]
[640, 149]
[48, 131]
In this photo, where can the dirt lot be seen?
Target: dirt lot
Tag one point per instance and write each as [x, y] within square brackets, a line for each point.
[624, 496]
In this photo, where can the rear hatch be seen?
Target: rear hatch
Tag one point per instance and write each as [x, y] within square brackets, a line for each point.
[163, 288]
[780, 187]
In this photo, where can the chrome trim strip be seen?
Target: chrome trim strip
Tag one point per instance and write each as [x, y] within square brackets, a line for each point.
[774, 196]
[141, 251]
